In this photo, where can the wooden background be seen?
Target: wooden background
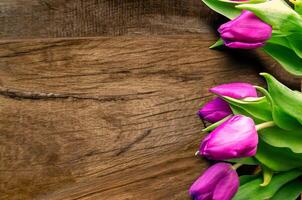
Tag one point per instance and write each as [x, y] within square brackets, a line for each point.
[98, 98]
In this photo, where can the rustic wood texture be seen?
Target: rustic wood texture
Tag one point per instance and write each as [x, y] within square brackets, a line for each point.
[110, 118]
[106, 118]
[74, 18]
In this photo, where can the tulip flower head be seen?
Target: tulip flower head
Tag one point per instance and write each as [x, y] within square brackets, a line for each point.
[237, 137]
[247, 31]
[235, 90]
[215, 110]
[219, 182]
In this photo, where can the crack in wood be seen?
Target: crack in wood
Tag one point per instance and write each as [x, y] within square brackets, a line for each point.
[131, 144]
[16, 94]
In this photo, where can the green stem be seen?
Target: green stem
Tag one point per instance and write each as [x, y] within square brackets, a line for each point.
[265, 125]
[236, 166]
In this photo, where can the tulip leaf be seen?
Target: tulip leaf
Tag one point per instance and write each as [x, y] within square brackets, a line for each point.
[245, 161]
[295, 41]
[243, 2]
[253, 189]
[290, 191]
[279, 40]
[284, 120]
[247, 178]
[267, 176]
[226, 9]
[257, 107]
[285, 100]
[278, 137]
[218, 43]
[216, 124]
[277, 159]
[277, 13]
[289, 60]
[239, 111]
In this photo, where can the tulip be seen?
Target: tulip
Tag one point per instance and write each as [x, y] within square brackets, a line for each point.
[215, 110]
[219, 182]
[237, 137]
[235, 90]
[247, 31]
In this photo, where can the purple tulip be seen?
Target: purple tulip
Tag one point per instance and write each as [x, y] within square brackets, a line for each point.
[215, 110]
[247, 31]
[219, 182]
[235, 90]
[237, 137]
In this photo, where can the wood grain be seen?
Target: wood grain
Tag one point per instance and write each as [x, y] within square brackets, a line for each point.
[77, 18]
[107, 118]
[113, 118]
[22, 19]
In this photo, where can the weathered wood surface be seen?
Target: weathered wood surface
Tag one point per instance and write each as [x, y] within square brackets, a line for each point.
[108, 117]
[74, 18]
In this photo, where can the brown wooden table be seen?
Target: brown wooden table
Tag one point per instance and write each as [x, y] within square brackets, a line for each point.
[98, 98]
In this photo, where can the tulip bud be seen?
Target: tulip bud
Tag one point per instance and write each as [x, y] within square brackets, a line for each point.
[235, 90]
[247, 31]
[215, 110]
[219, 182]
[237, 137]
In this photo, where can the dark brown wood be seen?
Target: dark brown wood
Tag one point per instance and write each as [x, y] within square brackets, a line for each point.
[90, 18]
[106, 118]
[109, 117]
[76, 18]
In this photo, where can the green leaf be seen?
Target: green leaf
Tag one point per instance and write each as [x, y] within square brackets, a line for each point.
[284, 120]
[295, 41]
[277, 13]
[246, 161]
[253, 190]
[243, 2]
[277, 159]
[289, 60]
[218, 43]
[267, 176]
[216, 124]
[284, 99]
[257, 107]
[290, 191]
[298, 5]
[279, 40]
[226, 9]
[278, 137]
[247, 178]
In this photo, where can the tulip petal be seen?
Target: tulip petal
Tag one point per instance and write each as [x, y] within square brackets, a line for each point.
[243, 45]
[227, 187]
[247, 31]
[235, 90]
[235, 138]
[205, 184]
[214, 181]
[215, 110]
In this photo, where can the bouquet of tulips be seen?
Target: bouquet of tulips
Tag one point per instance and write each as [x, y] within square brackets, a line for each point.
[271, 25]
[251, 125]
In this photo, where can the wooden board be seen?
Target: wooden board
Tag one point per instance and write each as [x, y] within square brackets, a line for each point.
[75, 18]
[106, 118]
[110, 117]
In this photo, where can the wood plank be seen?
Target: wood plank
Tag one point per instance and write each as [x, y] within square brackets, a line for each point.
[78, 18]
[22, 19]
[107, 118]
